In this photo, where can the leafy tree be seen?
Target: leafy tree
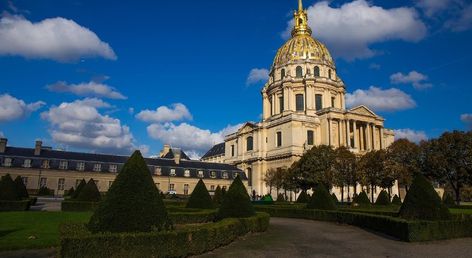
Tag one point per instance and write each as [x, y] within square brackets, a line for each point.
[448, 200]
[270, 178]
[448, 160]
[403, 160]
[89, 192]
[321, 199]
[132, 204]
[304, 197]
[396, 200]
[80, 186]
[344, 168]
[200, 198]
[218, 196]
[371, 167]
[422, 202]
[236, 203]
[8, 190]
[383, 198]
[21, 188]
[315, 166]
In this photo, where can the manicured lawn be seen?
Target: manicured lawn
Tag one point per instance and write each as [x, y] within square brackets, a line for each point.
[17, 227]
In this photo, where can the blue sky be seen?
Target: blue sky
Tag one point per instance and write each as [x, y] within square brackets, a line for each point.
[95, 76]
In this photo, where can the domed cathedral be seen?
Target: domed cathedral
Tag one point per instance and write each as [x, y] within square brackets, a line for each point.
[303, 106]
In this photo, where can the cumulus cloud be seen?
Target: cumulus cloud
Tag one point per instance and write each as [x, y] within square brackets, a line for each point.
[80, 124]
[467, 120]
[177, 112]
[418, 80]
[353, 27]
[380, 100]
[87, 89]
[58, 39]
[412, 135]
[12, 108]
[257, 75]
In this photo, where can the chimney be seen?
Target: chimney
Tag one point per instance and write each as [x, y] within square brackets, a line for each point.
[176, 153]
[165, 150]
[3, 144]
[37, 147]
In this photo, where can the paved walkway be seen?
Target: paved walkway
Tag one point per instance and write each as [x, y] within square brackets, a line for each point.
[306, 238]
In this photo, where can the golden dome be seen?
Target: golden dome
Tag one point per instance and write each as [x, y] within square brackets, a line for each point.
[302, 46]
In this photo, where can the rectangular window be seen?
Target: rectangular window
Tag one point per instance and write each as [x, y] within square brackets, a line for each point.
[60, 184]
[172, 172]
[232, 150]
[45, 164]
[281, 104]
[97, 167]
[249, 143]
[318, 102]
[279, 139]
[225, 175]
[171, 187]
[80, 166]
[333, 100]
[43, 182]
[25, 180]
[27, 163]
[187, 173]
[113, 168]
[299, 103]
[62, 164]
[200, 173]
[185, 189]
[157, 171]
[213, 174]
[7, 162]
[310, 137]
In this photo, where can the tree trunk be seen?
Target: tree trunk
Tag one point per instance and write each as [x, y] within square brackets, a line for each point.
[372, 193]
[348, 194]
[342, 194]
[458, 195]
[355, 188]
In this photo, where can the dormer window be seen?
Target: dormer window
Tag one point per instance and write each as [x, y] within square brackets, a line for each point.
[172, 172]
[224, 175]
[113, 168]
[27, 163]
[213, 174]
[97, 167]
[187, 173]
[63, 164]
[45, 164]
[80, 166]
[7, 162]
[200, 173]
[157, 171]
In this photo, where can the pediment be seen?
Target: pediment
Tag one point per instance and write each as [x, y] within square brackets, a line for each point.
[247, 127]
[362, 110]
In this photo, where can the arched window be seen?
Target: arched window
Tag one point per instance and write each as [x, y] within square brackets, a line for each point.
[316, 71]
[249, 143]
[329, 73]
[299, 72]
[282, 74]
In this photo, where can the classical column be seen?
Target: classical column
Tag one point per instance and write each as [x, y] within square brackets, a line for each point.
[381, 138]
[368, 137]
[340, 133]
[286, 99]
[348, 138]
[356, 141]
[329, 131]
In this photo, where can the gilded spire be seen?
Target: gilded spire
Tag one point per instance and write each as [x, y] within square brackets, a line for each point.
[301, 21]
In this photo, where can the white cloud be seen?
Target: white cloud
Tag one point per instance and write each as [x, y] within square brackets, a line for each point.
[412, 135]
[257, 75]
[12, 108]
[80, 124]
[431, 7]
[380, 100]
[58, 39]
[418, 80]
[349, 30]
[467, 119]
[87, 89]
[462, 20]
[177, 112]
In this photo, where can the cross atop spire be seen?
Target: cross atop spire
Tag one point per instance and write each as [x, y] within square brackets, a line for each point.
[301, 21]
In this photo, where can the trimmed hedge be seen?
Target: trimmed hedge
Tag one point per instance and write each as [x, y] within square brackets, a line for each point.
[321, 199]
[362, 199]
[383, 198]
[236, 202]
[193, 217]
[44, 191]
[218, 196]
[89, 193]
[405, 230]
[448, 200]
[200, 198]
[304, 197]
[21, 188]
[396, 200]
[23, 205]
[79, 189]
[8, 191]
[73, 205]
[77, 241]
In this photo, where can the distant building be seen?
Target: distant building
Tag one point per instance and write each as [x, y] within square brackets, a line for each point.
[60, 170]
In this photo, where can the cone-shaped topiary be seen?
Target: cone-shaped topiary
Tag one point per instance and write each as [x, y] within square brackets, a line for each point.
[280, 197]
[80, 186]
[335, 198]
[304, 197]
[132, 204]
[21, 188]
[8, 190]
[382, 198]
[70, 192]
[44, 191]
[89, 193]
[321, 199]
[236, 202]
[422, 202]
[267, 198]
[448, 200]
[362, 199]
[200, 198]
[218, 196]
[396, 200]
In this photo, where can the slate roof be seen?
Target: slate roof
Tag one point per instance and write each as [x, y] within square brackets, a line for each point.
[18, 155]
[218, 149]
[170, 155]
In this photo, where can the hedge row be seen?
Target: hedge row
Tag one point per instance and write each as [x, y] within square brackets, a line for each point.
[373, 212]
[405, 230]
[72, 205]
[200, 216]
[15, 205]
[77, 241]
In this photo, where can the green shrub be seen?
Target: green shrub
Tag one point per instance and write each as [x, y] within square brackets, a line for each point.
[22, 205]
[236, 202]
[448, 200]
[383, 198]
[70, 192]
[281, 197]
[33, 200]
[200, 198]
[193, 217]
[422, 202]
[335, 198]
[396, 200]
[21, 188]
[267, 198]
[76, 241]
[44, 191]
[132, 204]
[8, 190]
[79, 188]
[362, 199]
[321, 199]
[218, 196]
[304, 197]
[89, 193]
[74, 205]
